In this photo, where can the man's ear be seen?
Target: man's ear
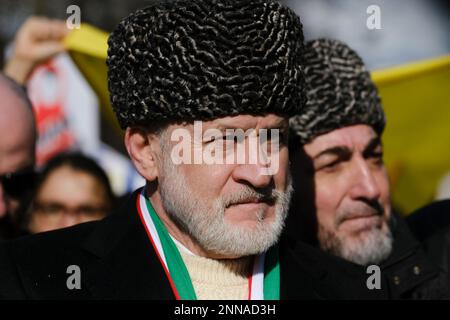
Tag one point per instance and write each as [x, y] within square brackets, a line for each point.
[144, 150]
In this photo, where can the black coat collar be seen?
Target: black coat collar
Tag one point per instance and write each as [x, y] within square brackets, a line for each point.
[126, 266]
[408, 267]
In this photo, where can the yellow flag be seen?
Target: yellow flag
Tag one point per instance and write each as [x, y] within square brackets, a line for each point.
[88, 47]
[416, 100]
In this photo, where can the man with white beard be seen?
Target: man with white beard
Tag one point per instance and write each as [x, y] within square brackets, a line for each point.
[199, 229]
[341, 203]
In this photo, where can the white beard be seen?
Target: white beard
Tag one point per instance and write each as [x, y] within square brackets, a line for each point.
[204, 220]
[371, 248]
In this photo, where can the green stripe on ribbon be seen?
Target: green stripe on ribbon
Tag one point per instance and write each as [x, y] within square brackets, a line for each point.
[177, 268]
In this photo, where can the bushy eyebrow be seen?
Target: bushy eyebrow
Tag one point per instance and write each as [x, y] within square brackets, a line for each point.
[372, 145]
[339, 151]
[343, 152]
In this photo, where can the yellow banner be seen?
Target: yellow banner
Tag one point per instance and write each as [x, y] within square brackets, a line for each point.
[416, 99]
[88, 47]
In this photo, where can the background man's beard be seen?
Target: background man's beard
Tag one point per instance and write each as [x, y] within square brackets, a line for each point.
[205, 221]
[372, 247]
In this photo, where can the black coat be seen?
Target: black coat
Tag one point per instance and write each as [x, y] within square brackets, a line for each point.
[117, 261]
[431, 225]
[408, 273]
[430, 220]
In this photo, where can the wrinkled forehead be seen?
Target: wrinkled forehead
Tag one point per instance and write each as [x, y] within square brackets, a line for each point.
[356, 137]
[245, 121]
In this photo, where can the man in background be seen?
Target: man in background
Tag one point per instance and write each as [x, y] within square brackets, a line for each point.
[17, 146]
[37, 40]
[341, 206]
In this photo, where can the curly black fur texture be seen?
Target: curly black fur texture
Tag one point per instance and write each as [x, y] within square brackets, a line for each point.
[340, 92]
[205, 59]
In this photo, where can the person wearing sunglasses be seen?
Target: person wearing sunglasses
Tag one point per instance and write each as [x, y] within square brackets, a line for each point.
[17, 155]
[37, 40]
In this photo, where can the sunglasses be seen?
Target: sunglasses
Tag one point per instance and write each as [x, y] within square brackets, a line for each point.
[18, 184]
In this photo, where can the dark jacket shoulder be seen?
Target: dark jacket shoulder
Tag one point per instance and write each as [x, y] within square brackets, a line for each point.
[114, 258]
[33, 263]
[430, 219]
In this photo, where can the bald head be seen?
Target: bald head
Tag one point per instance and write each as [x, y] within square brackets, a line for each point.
[17, 134]
[17, 126]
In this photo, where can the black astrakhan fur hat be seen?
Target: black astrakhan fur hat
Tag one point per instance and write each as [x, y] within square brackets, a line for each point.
[205, 59]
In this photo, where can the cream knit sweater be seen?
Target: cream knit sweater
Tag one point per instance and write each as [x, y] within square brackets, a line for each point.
[217, 279]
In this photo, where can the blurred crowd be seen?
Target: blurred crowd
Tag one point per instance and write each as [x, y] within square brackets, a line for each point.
[70, 188]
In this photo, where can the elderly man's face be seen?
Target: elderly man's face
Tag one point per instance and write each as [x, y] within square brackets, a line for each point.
[351, 193]
[232, 208]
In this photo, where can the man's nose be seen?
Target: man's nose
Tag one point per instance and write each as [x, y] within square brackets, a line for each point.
[365, 185]
[255, 169]
[254, 174]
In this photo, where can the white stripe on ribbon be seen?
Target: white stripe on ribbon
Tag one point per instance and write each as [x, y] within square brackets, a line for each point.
[257, 292]
[151, 227]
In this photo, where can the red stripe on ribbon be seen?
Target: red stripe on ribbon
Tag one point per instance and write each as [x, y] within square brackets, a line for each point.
[172, 285]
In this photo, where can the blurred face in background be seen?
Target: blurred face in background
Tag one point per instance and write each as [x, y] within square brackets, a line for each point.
[67, 197]
[350, 193]
[17, 145]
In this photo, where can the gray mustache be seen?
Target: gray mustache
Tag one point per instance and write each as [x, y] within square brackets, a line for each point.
[269, 196]
[369, 208]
